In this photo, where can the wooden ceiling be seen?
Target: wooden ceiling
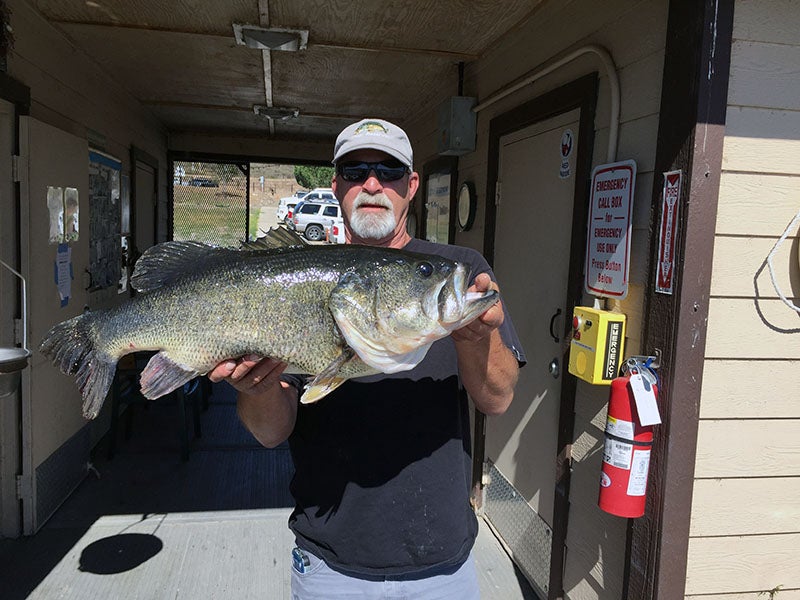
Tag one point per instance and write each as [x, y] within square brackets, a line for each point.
[395, 59]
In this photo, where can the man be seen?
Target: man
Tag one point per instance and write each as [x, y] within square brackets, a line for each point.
[382, 464]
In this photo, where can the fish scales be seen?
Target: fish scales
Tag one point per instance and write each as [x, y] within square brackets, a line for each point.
[333, 312]
[272, 308]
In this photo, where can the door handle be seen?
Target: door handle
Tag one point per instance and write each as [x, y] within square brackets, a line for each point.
[554, 367]
[552, 322]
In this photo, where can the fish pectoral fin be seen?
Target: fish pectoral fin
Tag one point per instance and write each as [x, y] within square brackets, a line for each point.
[163, 375]
[319, 388]
[327, 380]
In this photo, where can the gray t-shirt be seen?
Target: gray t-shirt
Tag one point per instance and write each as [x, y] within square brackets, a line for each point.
[383, 463]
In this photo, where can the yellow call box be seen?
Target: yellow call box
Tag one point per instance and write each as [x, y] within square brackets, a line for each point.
[596, 349]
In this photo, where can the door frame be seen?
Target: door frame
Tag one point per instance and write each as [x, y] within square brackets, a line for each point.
[697, 62]
[581, 94]
[137, 156]
[11, 514]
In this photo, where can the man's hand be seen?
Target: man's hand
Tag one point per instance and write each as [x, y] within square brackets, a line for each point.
[488, 369]
[488, 321]
[250, 374]
[266, 405]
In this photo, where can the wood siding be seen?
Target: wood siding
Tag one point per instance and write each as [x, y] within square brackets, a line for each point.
[745, 527]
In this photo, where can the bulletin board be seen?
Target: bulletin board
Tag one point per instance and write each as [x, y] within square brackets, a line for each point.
[105, 253]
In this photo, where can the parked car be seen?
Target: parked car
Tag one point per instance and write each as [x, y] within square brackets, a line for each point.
[290, 208]
[203, 182]
[334, 231]
[320, 194]
[287, 202]
[310, 218]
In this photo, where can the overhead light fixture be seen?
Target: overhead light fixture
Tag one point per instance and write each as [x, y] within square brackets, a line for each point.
[276, 113]
[274, 38]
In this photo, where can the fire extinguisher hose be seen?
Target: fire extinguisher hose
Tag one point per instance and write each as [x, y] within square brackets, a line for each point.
[616, 438]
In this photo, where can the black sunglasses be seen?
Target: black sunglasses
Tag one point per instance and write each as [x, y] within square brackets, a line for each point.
[359, 171]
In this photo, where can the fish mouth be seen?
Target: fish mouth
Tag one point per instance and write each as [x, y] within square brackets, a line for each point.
[457, 306]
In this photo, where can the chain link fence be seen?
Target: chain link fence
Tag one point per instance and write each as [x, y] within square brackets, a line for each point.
[211, 203]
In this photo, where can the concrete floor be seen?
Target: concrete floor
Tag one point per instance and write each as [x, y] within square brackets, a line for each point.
[146, 525]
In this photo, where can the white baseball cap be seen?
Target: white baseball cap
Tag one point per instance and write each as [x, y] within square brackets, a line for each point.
[375, 134]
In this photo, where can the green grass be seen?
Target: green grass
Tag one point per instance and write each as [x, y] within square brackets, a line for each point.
[213, 215]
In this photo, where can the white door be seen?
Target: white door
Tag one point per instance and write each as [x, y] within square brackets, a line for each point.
[51, 412]
[532, 250]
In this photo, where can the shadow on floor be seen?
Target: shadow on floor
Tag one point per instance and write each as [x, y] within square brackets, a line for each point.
[146, 524]
[227, 470]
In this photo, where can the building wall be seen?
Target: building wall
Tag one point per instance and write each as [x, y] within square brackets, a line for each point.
[745, 526]
[634, 34]
[71, 93]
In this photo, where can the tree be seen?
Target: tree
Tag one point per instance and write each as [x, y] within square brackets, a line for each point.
[225, 171]
[313, 176]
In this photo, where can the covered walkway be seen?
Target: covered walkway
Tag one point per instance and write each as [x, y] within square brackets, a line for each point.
[147, 525]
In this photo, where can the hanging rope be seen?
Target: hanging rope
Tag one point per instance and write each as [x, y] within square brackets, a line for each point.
[789, 229]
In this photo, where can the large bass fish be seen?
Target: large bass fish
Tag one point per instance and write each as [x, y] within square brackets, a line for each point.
[333, 312]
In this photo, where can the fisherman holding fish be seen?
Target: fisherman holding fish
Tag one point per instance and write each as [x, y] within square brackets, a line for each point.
[365, 378]
[383, 466]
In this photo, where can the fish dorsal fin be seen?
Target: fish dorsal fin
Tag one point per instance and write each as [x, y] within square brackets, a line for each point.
[276, 237]
[164, 263]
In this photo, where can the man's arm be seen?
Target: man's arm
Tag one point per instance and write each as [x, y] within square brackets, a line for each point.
[487, 367]
[266, 405]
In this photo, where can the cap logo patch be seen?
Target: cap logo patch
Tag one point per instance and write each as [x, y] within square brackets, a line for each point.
[371, 127]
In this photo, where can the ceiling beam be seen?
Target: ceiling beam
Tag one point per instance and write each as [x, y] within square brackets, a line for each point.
[457, 56]
[193, 106]
[266, 57]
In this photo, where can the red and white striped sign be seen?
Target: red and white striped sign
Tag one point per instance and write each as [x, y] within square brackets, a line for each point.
[667, 232]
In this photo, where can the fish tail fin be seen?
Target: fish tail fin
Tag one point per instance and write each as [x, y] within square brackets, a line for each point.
[72, 347]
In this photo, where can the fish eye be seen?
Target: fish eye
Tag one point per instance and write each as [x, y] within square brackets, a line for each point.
[425, 269]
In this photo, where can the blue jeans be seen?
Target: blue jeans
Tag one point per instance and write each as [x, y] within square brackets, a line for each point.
[320, 582]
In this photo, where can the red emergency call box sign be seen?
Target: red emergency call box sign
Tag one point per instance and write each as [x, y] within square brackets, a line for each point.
[609, 237]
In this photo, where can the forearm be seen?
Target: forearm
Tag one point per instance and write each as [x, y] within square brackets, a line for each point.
[269, 415]
[266, 404]
[489, 372]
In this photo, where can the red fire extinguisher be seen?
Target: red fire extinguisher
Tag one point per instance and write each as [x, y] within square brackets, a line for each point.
[626, 454]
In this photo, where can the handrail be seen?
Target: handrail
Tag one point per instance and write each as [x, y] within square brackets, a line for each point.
[24, 305]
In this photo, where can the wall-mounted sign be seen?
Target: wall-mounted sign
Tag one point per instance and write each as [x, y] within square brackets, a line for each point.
[667, 232]
[609, 237]
[63, 273]
[567, 143]
[437, 204]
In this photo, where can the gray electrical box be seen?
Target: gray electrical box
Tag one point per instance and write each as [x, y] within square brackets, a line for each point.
[457, 126]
